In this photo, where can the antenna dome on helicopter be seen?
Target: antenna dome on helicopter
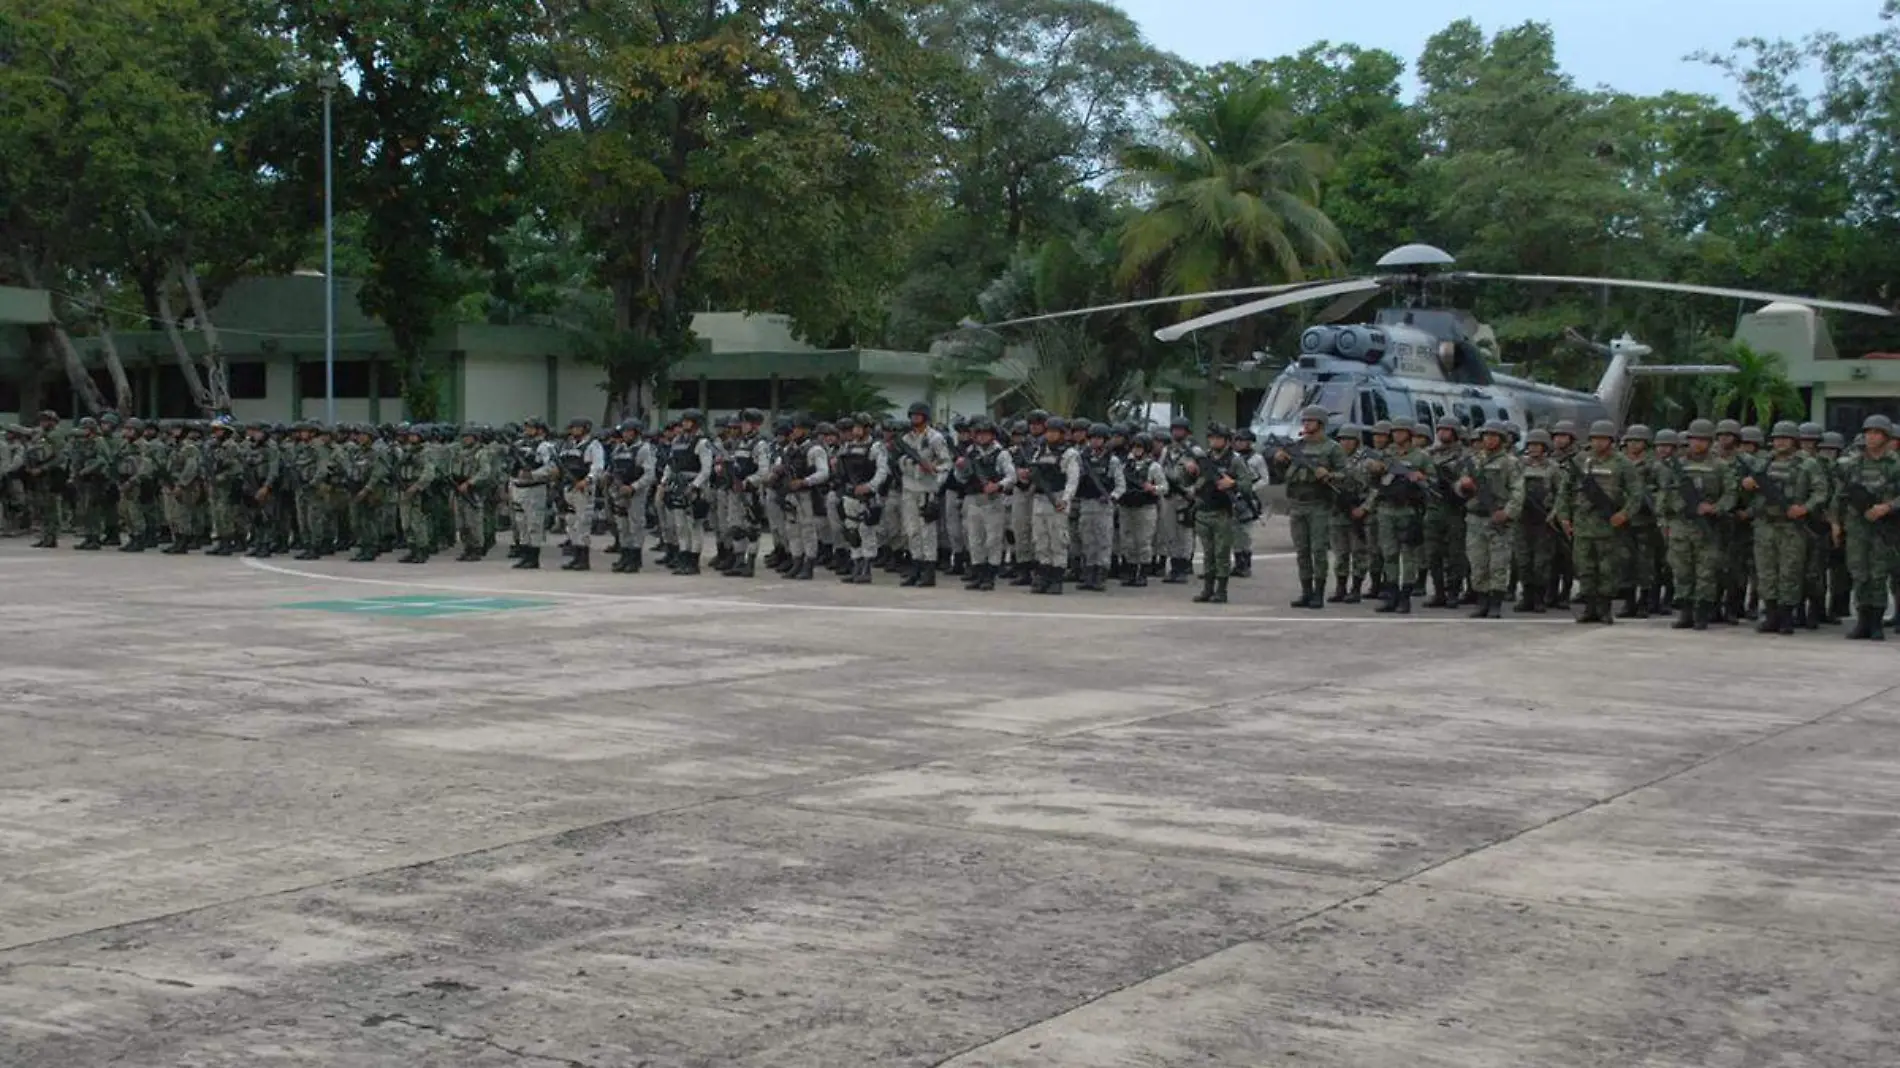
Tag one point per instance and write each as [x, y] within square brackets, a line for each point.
[1416, 255]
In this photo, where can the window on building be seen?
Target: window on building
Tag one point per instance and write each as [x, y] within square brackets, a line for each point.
[246, 379]
[352, 380]
[739, 393]
[1423, 413]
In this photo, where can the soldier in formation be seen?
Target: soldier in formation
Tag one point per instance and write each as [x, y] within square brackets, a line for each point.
[1793, 528]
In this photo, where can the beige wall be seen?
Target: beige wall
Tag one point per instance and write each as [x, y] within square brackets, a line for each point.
[581, 393]
[506, 390]
[279, 381]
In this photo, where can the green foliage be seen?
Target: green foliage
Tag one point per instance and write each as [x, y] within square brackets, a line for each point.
[843, 393]
[1758, 392]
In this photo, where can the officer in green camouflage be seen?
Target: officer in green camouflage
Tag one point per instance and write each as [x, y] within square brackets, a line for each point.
[1402, 481]
[1308, 467]
[1840, 583]
[1811, 612]
[1444, 522]
[1864, 520]
[1786, 490]
[1643, 537]
[1693, 495]
[1537, 537]
[135, 479]
[1352, 560]
[1667, 444]
[1378, 444]
[416, 480]
[471, 478]
[1563, 454]
[1492, 489]
[1216, 477]
[1596, 507]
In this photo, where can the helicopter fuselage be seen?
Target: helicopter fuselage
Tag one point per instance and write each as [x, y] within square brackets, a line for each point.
[1425, 364]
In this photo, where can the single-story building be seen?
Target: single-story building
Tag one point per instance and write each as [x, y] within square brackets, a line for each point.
[1841, 392]
[272, 334]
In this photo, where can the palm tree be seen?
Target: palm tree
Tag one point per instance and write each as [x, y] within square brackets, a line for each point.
[1235, 199]
[1759, 389]
[843, 393]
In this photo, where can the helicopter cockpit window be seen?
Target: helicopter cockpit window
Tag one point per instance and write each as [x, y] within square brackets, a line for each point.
[1283, 403]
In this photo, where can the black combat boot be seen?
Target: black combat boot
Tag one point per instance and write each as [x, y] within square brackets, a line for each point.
[1207, 589]
[988, 585]
[1439, 600]
[865, 571]
[1685, 617]
[1353, 592]
[1243, 565]
[1817, 610]
[1629, 605]
[1604, 606]
[959, 564]
[1339, 590]
[580, 561]
[1054, 587]
[1798, 613]
[1404, 605]
[1874, 633]
[634, 561]
[530, 557]
[1526, 602]
[927, 577]
[1703, 610]
[1140, 577]
[1220, 591]
[1306, 593]
[1858, 632]
[1471, 594]
[1182, 570]
[1784, 621]
[913, 574]
[1657, 604]
[1028, 574]
[179, 547]
[802, 573]
[1770, 619]
[748, 566]
[515, 552]
[1486, 607]
[1591, 613]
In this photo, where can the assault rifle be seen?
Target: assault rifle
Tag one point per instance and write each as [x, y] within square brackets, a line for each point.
[1297, 460]
[1776, 498]
[1860, 498]
[934, 506]
[1692, 501]
[1598, 497]
[1481, 492]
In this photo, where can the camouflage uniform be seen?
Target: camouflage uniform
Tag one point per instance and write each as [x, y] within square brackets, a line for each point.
[1309, 467]
[1352, 557]
[1595, 544]
[1493, 490]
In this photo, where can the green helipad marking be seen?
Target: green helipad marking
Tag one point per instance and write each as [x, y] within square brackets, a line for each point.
[419, 606]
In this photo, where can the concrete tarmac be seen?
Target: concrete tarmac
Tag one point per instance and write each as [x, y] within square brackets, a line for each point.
[272, 813]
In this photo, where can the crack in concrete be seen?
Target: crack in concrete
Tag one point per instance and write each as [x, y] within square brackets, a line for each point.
[381, 1019]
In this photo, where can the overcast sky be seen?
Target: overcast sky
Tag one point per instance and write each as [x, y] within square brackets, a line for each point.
[1633, 45]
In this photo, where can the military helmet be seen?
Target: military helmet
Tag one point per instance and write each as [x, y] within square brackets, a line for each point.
[1832, 440]
[48, 414]
[1785, 428]
[826, 428]
[1352, 431]
[1098, 430]
[980, 424]
[1123, 429]
[1603, 428]
[1037, 415]
[1403, 423]
[693, 414]
[1728, 426]
[960, 423]
[580, 421]
[1563, 426]
[1180, 422]
[1245, 434]
[803, 421]
[919, 408]
[1383, 426]
[1877, 422]
[1494, 426]
[1143, 439]
[1446, 422]
[1666, 436]
[752, 415]
[1019, 426]
[135, 423]
[1637, 432]
[1810, 432]
[1700, 428]
[1054, 422]
[1218, 430]
[731, 422]
[534, 422]
[88, 423]
[632, 426]
[1752, 435]
[1315, 413]
[1540, 436]
[845, 422]
[782, 425]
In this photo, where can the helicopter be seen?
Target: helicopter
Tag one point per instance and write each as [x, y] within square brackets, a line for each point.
[1427, 362]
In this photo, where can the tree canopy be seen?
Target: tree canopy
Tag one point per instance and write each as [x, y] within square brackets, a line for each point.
[880, 172]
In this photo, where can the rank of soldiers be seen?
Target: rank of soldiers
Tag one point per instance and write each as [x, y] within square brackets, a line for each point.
[1717, 523]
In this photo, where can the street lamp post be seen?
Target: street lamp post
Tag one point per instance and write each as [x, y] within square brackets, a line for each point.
[329, 82]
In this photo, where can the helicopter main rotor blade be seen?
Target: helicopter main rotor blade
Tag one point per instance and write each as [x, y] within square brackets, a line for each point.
[1681, 287]
[1344, 306]
[1250, 291]
[1242, 311]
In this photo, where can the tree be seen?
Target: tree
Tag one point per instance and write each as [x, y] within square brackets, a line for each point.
[1235, 201]
[1756, 392]
[431, 138]
[739, 148]
[1048, 93]
[843, 393]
